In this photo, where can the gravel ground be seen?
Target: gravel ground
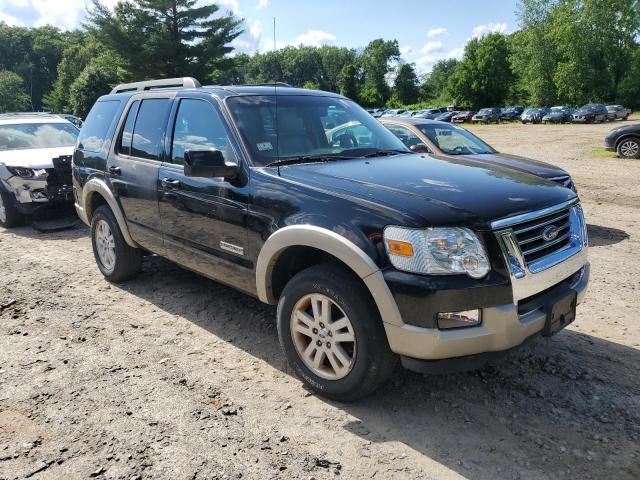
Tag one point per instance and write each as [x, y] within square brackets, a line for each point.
[176, 377]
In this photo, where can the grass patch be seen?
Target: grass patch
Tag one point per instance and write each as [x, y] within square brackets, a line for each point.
[601, 152]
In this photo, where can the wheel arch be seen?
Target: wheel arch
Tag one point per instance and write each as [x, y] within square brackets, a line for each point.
[627, 136]
[95, 193]
[327, 242]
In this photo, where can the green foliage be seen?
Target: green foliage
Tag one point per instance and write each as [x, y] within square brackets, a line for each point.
[13, 96]
[484, 76]
[435, 86]
[34, 54]
[348, 81]
[96, 79]
[166, 38]
[376, 64]
[405, 87]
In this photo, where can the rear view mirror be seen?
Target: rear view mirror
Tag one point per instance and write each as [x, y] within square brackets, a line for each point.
[207, 163]
[419, 148]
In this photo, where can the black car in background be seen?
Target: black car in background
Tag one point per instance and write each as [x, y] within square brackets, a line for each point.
[593, 112]
[446, 116]
[430, 113]
[487, 115]
[624, 140]
[533, 115]
[510, 114]
[561, 114]
[617, 112]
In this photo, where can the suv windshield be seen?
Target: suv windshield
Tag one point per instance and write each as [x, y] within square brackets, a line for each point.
[308, 126]
[454, 140]
[23, 136]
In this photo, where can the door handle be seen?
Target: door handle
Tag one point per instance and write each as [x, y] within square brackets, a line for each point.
[170, 183]
[115, 171]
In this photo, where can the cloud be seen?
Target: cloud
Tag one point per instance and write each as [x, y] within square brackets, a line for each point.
[425, 63]
[456, 53]
[263, 3]
[314, 38]
[232, 5]
[482, 30]
[432, 47]
[407, 49]
[434, 32]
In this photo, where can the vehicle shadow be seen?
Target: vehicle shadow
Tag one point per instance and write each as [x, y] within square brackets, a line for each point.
[561, 407]
[54, 231]
[600, 236]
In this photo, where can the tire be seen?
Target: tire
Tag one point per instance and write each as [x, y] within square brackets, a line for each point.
[629, 148]
[9, 215]
[116, 260]
[370, 358]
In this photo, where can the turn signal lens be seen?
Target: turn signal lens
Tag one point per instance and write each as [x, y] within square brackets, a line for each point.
[404, 249]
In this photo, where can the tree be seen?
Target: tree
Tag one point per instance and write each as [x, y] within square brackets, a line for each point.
[97, 78]
[484, 77]
[435, 85]
[348, 82]
[13, 96]
[405, 87]
[375, 61]
[166, 38]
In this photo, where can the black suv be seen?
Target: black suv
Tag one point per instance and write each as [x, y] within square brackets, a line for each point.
[371, 252]
[593, 112]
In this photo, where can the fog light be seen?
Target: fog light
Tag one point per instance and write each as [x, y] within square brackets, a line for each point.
[469, 318]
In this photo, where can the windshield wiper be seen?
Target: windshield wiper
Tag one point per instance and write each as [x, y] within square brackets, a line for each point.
[384, 153]
[307, 159]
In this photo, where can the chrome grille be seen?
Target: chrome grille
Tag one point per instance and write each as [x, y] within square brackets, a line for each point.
[543, 236]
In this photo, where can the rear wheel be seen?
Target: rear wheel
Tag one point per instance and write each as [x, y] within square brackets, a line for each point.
[332, 334]
[629, 148]
[115, 258]
[9, 215]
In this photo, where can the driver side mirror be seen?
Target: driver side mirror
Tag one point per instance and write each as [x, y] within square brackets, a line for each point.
[209, 164]
[419, 148]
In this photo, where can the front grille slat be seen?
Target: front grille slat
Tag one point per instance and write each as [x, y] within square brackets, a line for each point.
[535, 225]
[545, 245]
[530, 235]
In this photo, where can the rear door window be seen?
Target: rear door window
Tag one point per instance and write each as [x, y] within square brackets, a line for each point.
[149, 128]
[126, 137]
[96, 127]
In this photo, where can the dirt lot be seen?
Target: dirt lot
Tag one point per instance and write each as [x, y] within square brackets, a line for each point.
[176, 377]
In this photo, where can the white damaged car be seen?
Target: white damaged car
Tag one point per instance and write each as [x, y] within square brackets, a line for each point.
[35, 164]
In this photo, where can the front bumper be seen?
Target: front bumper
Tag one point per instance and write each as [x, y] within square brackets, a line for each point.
[507, 324]
[51, 188]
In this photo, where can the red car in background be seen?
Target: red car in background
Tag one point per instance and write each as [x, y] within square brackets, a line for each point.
[462, 117]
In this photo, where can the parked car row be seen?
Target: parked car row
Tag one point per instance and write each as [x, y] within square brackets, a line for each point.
[589, 113]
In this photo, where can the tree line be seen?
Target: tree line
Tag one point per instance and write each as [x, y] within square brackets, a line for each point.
[565, 52]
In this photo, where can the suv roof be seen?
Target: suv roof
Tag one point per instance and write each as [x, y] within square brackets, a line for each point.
[222, 91]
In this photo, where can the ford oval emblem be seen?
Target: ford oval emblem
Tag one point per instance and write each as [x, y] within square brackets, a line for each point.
[550, 233]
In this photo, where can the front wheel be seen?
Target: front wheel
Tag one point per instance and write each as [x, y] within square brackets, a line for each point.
[332, 335]
[115, 258]
[629, 148]
[9, 215]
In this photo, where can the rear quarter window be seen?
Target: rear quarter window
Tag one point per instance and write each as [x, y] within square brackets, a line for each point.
[96, 128]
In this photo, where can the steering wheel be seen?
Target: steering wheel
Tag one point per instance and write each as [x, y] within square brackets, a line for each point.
[346, 140]
[461, 150]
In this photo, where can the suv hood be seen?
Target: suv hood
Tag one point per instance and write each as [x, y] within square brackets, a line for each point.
[434, 189]
[522, 164]
[33, 157]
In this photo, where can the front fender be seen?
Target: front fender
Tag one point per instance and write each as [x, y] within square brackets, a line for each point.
[334, 244]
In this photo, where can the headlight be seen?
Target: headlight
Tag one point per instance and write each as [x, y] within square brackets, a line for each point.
[24, 172]
[436, 251]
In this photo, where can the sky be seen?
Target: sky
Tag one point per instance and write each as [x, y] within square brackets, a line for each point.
[426, 30]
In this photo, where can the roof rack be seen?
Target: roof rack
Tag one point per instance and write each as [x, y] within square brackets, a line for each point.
[183, 82]
[272, 84]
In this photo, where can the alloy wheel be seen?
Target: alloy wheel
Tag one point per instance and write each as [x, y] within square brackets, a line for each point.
[629, 148]
[105, 245]
[323, 336]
